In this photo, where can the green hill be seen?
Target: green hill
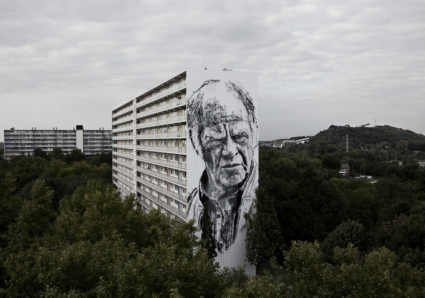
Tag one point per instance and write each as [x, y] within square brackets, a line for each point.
[358, 136]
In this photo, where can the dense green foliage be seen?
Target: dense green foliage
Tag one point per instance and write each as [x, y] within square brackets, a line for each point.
[306, 274]
[349, 232]
[64, 232]
[99, 245]
[312, 204]
[335, 135]
[263, 238]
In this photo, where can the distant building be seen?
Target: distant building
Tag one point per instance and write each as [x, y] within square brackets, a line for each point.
[421, 163]
[23, 142]
[345, 170]
[266, 144]
[286, 143]
[303, 141]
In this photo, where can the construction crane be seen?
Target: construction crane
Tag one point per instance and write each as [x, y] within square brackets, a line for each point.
[363, 125]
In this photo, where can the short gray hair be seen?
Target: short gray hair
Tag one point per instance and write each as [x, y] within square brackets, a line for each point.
[195, 110]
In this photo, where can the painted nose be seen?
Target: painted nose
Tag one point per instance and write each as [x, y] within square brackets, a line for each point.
[229, 148]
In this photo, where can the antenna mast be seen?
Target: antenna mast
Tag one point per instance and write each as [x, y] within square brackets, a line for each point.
[346, 145]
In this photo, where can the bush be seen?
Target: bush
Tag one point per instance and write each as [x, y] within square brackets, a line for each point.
[348, 232]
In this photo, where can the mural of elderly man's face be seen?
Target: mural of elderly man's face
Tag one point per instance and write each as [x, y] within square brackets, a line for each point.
[226, 140]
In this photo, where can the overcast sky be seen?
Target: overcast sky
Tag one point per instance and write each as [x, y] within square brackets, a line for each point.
[64, 63]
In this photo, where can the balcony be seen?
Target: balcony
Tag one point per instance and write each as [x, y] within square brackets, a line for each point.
[123, 120]
[123, 154]
[123, 111]
[175, 119]
[118, 138]
[162, 149]
[121, 162]
[161, 162]
[162, 176]
[163, 93]
[164, 135]
[128, 183]
[160, 203]
[122, 146]
[158, 188]
[123, 181]
[124, 172]
[163, 107]
[126, 128]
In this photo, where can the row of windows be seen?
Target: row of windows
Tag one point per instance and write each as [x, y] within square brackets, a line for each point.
[124, 151]
[124, 168]
[172, 86]
[124, 159]
[40, 132]
[123, 134]
[162, 170]
[124, 107]
[164, 184]
[124, 125]
[163, 104]
[163, 156]
[171, 202]
[124, 177]
[162, 116]
[125, 142]
[160, 143]
[122, 185]
[124, 116]
[163, 129]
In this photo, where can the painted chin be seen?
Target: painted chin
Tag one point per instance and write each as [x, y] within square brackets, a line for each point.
[232, 175]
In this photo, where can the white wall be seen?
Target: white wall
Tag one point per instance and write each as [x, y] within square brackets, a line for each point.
[79, 142]
[222, 95]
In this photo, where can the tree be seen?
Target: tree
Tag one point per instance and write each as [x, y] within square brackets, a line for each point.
[402, 146]
[263, 237]
[75, 155]
[207, 237]
[331, 161]
[104, 247]
[306, 274]
[28, 169]
[38, 152]
[348, 232]
[405, 236]
[57, 153]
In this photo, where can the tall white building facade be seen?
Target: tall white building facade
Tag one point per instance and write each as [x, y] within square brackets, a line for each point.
[24, 141]
[190, 142]
[149, 147]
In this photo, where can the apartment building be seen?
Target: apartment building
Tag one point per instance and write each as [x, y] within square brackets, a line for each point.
[149, 147]
[189, 141]
[24, 141]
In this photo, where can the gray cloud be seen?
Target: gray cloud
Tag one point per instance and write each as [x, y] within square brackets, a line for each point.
[320, 62]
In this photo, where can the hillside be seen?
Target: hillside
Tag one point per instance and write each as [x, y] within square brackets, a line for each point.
[367, 135]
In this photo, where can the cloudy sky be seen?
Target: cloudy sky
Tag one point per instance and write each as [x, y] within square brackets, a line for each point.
[321, 62]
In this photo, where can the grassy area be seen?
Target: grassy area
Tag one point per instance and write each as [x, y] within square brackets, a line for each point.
[422, 202]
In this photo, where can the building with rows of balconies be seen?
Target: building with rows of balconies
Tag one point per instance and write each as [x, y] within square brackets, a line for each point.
[152, 146]
[23, 142]
[149, 148]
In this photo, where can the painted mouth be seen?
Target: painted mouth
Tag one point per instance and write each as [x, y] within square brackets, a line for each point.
[231, 166]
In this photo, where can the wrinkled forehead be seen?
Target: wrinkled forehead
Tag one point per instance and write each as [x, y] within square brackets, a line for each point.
[222, 106]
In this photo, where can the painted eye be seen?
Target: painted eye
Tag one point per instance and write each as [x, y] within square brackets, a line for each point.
[240, 136]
